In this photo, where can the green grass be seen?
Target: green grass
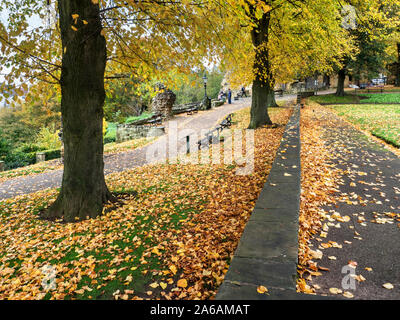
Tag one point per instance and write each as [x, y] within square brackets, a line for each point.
[381, 98]
[129, 245]
[383, 121]
[144, 115]
[359, 98]
[331, 98]
[111, 132]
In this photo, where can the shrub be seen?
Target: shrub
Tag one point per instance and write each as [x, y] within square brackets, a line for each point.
[18, 158]
[47, 140]
[52, 154]
[5, 147]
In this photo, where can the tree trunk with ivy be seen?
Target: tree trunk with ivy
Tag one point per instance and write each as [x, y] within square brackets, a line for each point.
[340, 84]
[263, 94]
[83, 192]
[397, 80]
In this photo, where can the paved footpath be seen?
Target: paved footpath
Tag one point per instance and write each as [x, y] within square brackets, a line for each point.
[370, 188]
[202, 121]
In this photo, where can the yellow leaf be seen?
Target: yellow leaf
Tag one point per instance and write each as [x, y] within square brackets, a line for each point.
[154, 285]
[262, 289]
[335, 290]
[73, 28]
[163, 285]
[173, 269]
[388, 286]
[182, 283]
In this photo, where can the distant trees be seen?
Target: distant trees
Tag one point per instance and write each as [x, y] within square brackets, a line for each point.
[373, 26]
[273, 41]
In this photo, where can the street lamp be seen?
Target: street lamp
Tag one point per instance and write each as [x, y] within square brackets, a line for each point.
[205, 85]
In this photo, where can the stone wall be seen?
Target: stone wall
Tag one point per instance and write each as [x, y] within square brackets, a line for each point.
[184, 107]
[127, 132]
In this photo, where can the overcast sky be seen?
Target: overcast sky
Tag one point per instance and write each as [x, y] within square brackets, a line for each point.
[33, 21]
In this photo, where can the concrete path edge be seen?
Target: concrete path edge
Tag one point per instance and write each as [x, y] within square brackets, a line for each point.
[267, 253]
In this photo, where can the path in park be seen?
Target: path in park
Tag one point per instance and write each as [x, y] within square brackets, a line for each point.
[202, 121]
[370, 188]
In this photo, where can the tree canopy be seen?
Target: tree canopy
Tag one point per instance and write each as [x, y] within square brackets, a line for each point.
[72, 50]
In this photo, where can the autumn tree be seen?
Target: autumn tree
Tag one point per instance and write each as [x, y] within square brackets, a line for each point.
[371, 24]
[85, 42]
[278, 40]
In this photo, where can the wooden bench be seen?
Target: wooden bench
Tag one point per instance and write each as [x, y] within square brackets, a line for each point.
[192, 110]
[375, 90]
[209, 136]
[227, 122]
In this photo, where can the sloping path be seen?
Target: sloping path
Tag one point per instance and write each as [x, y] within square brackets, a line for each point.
[204, 120]
[370, 195]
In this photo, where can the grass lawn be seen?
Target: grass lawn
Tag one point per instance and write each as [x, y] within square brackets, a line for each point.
[383, 121]
[380, 97]
[144, 115]
[331, 98]
[351, 98]
[173, 240]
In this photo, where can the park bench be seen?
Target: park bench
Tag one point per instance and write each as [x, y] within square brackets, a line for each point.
[192, 110]
[375, 90]
[210, 136]
[227, 122]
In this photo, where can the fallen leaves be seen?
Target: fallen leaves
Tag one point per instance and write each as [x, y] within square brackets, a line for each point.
[318, 183]
[177, 234]
[348, 295]
[388, 286]
[262, 290]
[182, 283]
[335, 290]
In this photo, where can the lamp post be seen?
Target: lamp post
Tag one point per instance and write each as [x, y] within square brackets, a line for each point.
[205, 85]
[206, 101]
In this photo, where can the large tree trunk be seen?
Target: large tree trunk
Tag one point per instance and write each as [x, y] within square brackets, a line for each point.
[263, 94]
[340, 84]
[397, 81]
[83, 191]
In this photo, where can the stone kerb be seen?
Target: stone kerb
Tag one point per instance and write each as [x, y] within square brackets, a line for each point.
[268, 249]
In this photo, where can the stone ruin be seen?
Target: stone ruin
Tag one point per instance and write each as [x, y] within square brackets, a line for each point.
[163, 102]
